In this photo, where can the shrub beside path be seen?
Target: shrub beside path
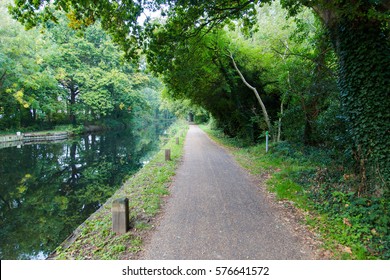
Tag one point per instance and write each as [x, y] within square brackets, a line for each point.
[217, 211]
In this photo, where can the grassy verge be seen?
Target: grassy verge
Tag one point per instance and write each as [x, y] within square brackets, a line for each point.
[145, 191]
[315, 181]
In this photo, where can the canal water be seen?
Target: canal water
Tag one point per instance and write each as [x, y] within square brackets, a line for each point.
[47, 190]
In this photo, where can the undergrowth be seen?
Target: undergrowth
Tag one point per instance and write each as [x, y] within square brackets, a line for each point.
[145, 191]
[323, 184]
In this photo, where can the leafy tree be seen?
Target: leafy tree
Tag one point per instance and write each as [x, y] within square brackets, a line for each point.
[300, 62]
[85, 66]
[48, 75]
[28, 89]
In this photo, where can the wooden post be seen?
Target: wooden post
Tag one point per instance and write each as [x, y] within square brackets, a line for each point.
[120, 215]
[177, 140]
[167, 154]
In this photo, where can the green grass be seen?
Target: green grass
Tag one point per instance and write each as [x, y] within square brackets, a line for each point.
[351, 227]
[145, 191]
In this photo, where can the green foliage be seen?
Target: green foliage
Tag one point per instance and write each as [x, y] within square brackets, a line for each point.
[299, 70]
[199, 71]
[362, 223]
[277, 57]
[365, 90]
[84, 13]
[372, 10]
[60, 76]
[183, 108]
[27, 86]
[99, 83]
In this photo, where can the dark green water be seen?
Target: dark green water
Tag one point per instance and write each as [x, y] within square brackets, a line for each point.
[47, 190]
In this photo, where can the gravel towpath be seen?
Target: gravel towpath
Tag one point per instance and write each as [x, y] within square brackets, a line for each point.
[216, 211]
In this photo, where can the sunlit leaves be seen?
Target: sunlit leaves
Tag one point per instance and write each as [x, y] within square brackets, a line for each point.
[25, 78]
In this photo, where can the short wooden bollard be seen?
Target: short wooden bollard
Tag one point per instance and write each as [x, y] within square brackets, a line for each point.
[167, 154]
[120, 215]
[177, 141]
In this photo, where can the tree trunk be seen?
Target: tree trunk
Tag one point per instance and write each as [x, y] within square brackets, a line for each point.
[264, 110]
[72, 114]
[34, 115]
[2, 78]
[363, 50]
[280, 120]
[72, 181]
[308, 131]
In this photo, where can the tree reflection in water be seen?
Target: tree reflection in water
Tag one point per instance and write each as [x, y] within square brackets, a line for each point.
[47, 190]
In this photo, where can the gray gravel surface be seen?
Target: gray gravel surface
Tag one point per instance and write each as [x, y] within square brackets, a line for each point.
[216, 211]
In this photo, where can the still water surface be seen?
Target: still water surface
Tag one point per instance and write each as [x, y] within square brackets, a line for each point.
[47, 190]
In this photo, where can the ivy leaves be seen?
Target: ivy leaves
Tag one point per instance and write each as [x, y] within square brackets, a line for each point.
[363, 49]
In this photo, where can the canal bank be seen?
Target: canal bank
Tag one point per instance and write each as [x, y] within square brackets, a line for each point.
[94, 239]
[18, 139]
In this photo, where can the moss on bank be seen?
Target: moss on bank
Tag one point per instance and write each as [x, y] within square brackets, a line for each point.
[145, 191]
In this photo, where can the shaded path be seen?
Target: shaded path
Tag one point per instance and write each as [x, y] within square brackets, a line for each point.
[216, 212]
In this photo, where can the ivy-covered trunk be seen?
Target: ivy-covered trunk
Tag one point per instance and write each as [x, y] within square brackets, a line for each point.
[363, 50]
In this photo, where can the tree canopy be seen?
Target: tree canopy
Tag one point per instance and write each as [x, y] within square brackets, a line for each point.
[59, 75]
[352, 28]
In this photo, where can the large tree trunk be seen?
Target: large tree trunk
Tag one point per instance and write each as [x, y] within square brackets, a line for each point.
[363, 51]
[74, 91]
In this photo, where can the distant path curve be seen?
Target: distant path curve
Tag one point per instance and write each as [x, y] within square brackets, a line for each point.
[217, 212]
